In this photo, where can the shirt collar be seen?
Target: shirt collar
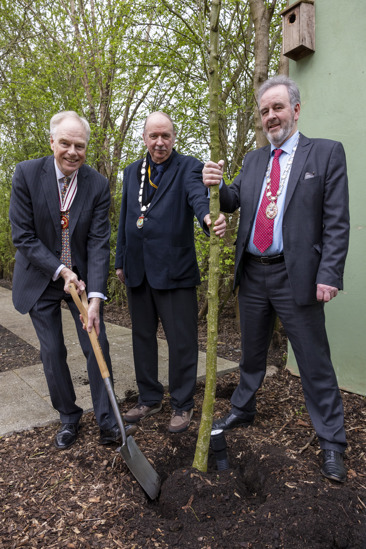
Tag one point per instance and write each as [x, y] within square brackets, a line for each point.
[59, 174]
[287, 145]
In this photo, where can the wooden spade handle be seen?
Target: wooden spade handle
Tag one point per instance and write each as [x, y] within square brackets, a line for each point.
[82, 305]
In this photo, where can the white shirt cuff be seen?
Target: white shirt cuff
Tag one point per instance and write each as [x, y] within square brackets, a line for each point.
[57, 273]
[90, 294]
[96, 294]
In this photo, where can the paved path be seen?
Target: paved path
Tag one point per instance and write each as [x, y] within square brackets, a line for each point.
[24, 398]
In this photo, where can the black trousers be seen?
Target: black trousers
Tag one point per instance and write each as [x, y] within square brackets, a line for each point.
[178, 311]
[47, 321]
[264, 291]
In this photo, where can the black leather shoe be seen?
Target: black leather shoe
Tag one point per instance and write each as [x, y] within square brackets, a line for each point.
[114, 434]
[230, 421]
[333, 467]
[66, 435]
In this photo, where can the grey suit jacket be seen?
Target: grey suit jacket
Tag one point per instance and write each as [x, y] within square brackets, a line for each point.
[316, 217]
[36, 229]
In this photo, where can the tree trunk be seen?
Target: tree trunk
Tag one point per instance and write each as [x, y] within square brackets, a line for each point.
[203, 442]
[261, 12]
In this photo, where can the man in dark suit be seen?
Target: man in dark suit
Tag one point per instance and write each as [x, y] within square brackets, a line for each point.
[290, 254]
[156, 259]
[59, 218]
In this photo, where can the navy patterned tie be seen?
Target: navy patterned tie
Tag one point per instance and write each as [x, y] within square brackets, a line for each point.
[66, 250]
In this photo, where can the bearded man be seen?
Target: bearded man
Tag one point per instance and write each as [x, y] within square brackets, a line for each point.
[290, 254]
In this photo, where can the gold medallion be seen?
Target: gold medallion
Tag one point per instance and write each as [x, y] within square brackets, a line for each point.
[64, 222]
[271, 210]
[140, 222]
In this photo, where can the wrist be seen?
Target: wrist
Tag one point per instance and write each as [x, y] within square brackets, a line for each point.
[95, 302]
[65, 272]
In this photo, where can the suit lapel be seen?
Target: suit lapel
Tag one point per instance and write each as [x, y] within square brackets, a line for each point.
[49, 186]
[257, 181]
[79, 200]
[300, 157]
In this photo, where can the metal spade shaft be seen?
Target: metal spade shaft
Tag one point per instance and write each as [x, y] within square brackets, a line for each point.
[135, 460]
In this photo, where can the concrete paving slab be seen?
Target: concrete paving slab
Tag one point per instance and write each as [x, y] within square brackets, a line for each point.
[24, 397]
[21, 407]
[34, 378]
[19, 324]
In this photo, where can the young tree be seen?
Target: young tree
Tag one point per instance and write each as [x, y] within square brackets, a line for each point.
[201, 455]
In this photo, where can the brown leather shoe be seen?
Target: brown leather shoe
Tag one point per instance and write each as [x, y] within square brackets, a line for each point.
[140, 411]
[180, 420]
[109, 436]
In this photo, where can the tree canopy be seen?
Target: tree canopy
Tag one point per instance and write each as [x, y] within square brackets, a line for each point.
[114, 62]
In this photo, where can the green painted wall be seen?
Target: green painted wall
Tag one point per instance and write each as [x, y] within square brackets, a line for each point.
[332, 82]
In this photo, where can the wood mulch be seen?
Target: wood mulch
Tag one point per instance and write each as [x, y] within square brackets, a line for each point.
[272, 496]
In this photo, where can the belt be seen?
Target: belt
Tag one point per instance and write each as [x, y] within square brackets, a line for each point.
[266, 260]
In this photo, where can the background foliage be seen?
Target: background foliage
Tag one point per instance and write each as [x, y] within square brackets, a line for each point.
[114, 62]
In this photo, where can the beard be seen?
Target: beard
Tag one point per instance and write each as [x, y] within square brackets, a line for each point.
[282, 134]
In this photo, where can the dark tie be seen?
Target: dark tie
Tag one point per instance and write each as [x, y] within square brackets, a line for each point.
[66, 251]
[156, 175]
[263, 232]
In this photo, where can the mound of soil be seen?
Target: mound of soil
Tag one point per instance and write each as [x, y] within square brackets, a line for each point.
[272, 496]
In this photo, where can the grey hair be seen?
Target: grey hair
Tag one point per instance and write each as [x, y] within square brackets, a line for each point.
[281, 80]
[60, 116]
[163, 114]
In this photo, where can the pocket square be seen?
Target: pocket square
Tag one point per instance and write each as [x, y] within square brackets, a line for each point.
[309, 175]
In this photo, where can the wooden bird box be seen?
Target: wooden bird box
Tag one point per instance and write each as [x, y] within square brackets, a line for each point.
[298, 29]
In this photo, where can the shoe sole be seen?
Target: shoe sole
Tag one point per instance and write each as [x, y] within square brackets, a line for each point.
[336, 479]
[179, 430]
[244, 425]
[151, 413]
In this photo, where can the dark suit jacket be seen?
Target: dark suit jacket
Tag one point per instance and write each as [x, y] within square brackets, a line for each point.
[316, 217]
[164, 248]
[36, 229]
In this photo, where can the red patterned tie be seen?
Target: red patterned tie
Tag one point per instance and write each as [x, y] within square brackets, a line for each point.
[66, 251]
[263, 233]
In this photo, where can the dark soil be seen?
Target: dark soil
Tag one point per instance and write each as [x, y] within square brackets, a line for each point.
[14, 352]
[273, 495]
